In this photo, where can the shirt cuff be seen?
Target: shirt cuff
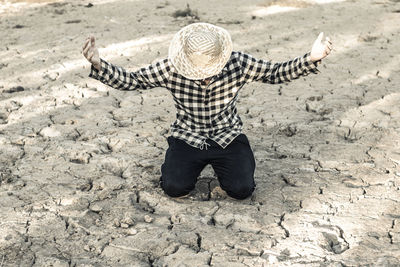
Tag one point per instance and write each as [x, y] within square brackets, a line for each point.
[309, 65]
[99, 74]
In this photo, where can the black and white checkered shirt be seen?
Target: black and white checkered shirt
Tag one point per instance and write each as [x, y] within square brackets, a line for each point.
[206, 111]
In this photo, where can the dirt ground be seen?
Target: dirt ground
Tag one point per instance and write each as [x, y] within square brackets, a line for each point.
[80, 162]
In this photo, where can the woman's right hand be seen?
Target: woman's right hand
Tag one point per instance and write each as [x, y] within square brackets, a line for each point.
[91, 53]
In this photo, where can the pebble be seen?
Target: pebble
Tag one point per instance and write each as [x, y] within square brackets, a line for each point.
[49, 132]
[51, 76]
[132, 231]
[96, 207]
[124, 225]
[148, 219]
[128, 221]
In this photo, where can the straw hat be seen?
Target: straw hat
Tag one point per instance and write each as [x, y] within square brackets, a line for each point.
[200, 50]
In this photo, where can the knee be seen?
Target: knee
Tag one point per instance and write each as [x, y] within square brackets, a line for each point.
[241, 191]
[174, 189]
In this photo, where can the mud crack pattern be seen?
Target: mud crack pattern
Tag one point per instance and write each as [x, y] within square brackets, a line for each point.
[80, 163]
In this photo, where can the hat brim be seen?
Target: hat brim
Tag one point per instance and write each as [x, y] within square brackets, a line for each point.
[184, 66]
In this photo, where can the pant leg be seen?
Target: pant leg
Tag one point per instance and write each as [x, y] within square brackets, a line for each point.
[235, 167]
[183, 164]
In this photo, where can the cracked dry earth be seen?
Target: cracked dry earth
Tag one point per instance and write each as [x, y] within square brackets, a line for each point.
[80, 162]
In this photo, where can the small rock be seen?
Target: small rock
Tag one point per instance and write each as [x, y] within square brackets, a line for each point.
[101, 186]
[124, 225]
[49, 132]
[51, 76]
[218, 193]
[80, 157]
[67, 201]
[288, 130]
[148, 219]
[128, 220]
[96, 208]
[132, 231]
[246, 251]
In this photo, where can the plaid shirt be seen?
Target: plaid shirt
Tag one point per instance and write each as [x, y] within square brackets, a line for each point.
[206, 111]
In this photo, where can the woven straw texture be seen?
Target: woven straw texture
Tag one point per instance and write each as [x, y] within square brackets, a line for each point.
[200, 50]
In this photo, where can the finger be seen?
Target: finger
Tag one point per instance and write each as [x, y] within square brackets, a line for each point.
[328, 39]
[330, 47]
[86, 50]
[90, 56]
[85, 44]
[326, 43]
[319, 38]
[92, 40]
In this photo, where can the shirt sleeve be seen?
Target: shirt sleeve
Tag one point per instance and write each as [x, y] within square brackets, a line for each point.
[280, 72]
[154, 75]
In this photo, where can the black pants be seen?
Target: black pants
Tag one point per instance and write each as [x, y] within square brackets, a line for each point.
[233, 165]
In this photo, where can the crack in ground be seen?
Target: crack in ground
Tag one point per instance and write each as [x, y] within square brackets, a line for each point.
[75, 138]
[389, 233]
[65, 219]
[199, 238]
[281, 219]
[51, 118]
[341, 235]
[212, 220]
[380, 198]
[210, 259]
[27, 238]
[151, 260]
[390, 237]
[171, 223]
[287, 181]
[367, 153]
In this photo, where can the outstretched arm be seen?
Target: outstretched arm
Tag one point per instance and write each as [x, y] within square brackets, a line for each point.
[271, 72]
[154, 75]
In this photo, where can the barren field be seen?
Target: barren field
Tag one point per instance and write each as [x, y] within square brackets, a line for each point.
[80, 162]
